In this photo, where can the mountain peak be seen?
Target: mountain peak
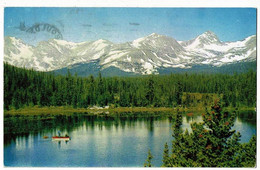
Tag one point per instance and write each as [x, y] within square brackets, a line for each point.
[155, 35]
[208, 37]
[102, 41]
[210, 33]
[15, 41]
[12, 38]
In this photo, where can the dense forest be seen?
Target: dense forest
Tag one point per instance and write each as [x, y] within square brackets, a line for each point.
[24, 87]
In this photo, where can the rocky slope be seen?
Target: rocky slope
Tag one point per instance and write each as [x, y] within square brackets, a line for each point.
[145, 55]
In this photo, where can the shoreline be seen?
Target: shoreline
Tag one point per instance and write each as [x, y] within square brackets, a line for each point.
[36, 110]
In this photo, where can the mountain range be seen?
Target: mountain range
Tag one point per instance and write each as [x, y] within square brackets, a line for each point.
[153, 54]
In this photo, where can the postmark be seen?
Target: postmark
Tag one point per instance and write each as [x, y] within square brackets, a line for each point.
[42, 27]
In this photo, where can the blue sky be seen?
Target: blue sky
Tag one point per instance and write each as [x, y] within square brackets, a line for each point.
[126, 24]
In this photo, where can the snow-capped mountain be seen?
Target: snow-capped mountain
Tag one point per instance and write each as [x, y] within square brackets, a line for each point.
[142, 56]
[214, 52]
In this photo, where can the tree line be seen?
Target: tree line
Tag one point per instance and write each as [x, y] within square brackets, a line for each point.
[26, 87]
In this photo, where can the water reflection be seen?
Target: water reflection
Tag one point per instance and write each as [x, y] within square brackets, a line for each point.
[245, 123]
[98, 140]
[24, 126]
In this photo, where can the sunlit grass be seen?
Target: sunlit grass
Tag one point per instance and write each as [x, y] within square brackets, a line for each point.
[53, 110]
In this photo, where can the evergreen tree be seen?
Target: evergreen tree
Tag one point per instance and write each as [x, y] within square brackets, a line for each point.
[211, 143]
[178, 93]
[166, 158]
[149, 159]
[150, 91]
[247, 154]
[221, 143]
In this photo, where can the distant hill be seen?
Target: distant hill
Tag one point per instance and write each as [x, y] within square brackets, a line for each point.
[93, 68]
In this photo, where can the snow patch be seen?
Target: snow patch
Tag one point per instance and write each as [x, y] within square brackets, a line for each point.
[177, 59]
[137, 43]
[114, 56]
[128, 59]
[151, 61]
[228, 59]
[193, 45]
[166, 65]
[37, 64]
[47, 59]
[155, 54]
[66, 43]
[179, 65]
[154, 43]
[100, 44]
[250, 52]
[57, 47]
[148, 65]
[148, 68]
[98, 55]
[163, 60]
[206, 62]
[185, 57]
[167, 55]
[25, 52]
[216, 47]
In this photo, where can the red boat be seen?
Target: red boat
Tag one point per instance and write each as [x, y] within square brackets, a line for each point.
[66, 138]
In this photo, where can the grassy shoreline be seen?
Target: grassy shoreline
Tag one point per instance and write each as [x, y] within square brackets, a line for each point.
[68, 109]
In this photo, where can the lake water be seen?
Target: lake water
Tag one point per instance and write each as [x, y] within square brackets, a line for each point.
[97, 141]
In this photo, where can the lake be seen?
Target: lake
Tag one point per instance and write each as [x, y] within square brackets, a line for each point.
[121, 140]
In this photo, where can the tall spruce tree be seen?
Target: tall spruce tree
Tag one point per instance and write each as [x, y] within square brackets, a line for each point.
[166, 158]
[211, 143]
[148, 162]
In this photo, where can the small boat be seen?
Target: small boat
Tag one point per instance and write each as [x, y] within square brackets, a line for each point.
[66, 138]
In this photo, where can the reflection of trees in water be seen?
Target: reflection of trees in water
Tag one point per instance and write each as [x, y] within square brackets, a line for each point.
[247, 116]
[23, 126]
[150, 123]
[190, 117]
[244, 116]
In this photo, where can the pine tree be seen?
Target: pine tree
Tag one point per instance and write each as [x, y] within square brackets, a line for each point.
[176, 144]
[149, 159]
[219, 135]
[166, 158]
[247, 154]
[150, 90]
[211, 143]
[178, 93]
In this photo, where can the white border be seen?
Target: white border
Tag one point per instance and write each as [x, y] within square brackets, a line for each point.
[130, 3]
[123, 3]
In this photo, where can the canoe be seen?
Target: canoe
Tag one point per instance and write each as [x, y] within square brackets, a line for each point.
[61, 138]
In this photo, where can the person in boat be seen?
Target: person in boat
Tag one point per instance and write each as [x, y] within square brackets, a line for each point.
[59, 133]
